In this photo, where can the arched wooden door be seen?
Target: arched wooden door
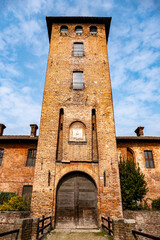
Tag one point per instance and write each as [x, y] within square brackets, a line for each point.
[76, 203]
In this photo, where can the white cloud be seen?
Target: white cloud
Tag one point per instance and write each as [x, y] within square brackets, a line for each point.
[18, 107]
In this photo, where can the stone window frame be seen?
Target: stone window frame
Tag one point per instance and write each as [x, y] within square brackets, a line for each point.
[91, 29]
[1, 155]
[31, 157]
[149, 162]
[74, 141]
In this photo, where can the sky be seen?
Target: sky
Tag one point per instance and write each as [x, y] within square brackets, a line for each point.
[134, 59]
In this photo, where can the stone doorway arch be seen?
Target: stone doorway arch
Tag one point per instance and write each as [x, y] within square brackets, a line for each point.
[76, 201]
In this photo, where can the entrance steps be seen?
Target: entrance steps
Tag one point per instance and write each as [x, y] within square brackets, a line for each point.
[77, 234]
[66, 230]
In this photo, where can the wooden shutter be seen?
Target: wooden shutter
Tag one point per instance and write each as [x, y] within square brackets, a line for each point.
[77, 80]
[31, 158]
[27, 192]
[78, 49]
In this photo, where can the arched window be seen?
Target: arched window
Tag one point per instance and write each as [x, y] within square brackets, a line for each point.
[77, 132]
[64, 29]
[130, 154]
[78, 29]
[93, 29]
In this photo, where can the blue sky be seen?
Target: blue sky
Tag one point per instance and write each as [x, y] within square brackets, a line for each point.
[134, 56]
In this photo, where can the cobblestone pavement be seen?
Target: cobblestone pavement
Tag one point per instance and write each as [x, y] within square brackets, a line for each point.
[77, 236]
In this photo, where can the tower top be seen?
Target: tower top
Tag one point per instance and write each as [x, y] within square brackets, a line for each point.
[92, 20]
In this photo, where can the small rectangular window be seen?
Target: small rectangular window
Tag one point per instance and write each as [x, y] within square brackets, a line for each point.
[149, 159]
[31, 158]
[78, 49]
[27, 192]
[1, 155]
[77, 80]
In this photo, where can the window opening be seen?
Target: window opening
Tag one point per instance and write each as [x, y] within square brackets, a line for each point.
[49, 178]
[78, 29]
[78, 49]
[64, 29]
[27, 192]
[31, 158]
[149, 159]
[1, 155]
[78, 80]
[104, 175]
[93, 29]
[59, 151]
[94, 137]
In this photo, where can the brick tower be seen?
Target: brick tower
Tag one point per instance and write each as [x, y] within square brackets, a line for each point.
[76, 174]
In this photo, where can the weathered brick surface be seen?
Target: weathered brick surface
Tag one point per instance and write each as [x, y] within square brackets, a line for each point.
[122, 229]
[18, 220]
[146, 221]
[8, 219]
[77, 105]
[13, 170]
[152, 175]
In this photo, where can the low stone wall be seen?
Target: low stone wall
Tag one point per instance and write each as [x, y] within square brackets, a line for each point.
[146, 221]
[18, 220]
[122, 229]
[8, 219]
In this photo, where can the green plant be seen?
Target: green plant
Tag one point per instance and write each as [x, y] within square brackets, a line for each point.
[6, 196]
[156, 204]
[133, 185]
[15, 204]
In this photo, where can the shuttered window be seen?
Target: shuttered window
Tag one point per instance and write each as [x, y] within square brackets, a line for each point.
[78, 80]
[149, 159]
[1, 155]
[78, 49]
[31, 158]
[27, 192]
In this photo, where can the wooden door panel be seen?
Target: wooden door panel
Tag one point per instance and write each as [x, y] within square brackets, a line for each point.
[65, 214]
[87, 203]
[76, 202]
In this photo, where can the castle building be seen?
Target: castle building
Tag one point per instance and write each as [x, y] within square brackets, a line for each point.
[71, 169]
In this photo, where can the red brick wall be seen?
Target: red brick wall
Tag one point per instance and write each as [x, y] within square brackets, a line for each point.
[146, 221]
[152, 175]
[13, 170]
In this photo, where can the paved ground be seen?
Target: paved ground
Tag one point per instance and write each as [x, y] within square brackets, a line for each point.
[77, 236]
